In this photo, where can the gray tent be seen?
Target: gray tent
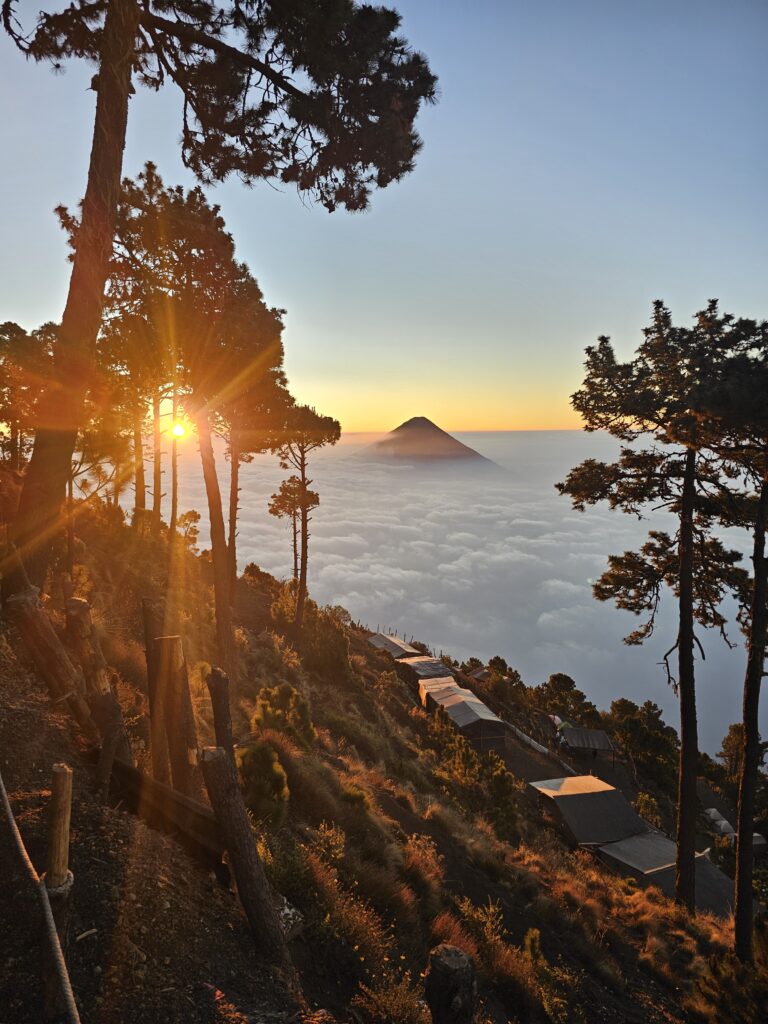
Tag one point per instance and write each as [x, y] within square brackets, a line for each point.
[593, 812]
[714, 890]
[484, 730]
[393, 645]
[586, 740]
[639, 854]
[430, 688]
[422, 667]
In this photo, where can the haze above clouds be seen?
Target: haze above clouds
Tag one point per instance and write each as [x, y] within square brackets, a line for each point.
[481, 564]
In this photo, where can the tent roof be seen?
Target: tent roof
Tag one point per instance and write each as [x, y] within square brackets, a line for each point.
[648, 851]
[427, 668]
[586, 739]
[464, 709]
[714, 890]
[573, 784]
[392, 645]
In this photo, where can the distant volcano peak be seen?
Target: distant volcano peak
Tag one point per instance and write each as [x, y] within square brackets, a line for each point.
[419, 439]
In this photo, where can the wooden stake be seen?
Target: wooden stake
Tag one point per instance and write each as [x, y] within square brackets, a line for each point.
[173, 685]
[252, 885]
[58, 826]
[58, 883]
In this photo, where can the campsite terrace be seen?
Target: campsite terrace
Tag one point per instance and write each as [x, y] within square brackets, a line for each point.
[591, 813]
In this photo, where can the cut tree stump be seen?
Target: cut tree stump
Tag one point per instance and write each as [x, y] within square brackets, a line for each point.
[252, 884]
[173, 687]
[450, 986]
[218, 687]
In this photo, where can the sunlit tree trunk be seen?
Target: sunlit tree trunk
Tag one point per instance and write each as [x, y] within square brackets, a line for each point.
[157, 462]
[301, 597]
[70, 525]
[140, 486]
[685, 877]
[750, 760]
[174, 470]
[234, 494]
[60, 409]
[219, 555]
[295, 529]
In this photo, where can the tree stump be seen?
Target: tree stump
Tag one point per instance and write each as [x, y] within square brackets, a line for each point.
[85, 644]
[173, 688]
[152, 613]
[252, 885]
[218, 687]
[450, 986]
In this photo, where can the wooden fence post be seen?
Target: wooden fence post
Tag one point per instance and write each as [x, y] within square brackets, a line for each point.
[252, 885]
[173, 685]
[218, 687]
[158, 744]
[58, 883]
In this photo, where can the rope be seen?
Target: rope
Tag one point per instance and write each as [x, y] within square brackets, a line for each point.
[39, 883]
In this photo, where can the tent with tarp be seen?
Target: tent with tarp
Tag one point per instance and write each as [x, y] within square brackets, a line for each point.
[484, 730]
[414, 669]
[393, 645]
[590, 810]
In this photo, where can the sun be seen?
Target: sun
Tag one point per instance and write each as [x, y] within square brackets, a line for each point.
[179, 430]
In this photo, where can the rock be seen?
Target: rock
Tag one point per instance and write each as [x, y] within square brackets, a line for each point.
[450, 986]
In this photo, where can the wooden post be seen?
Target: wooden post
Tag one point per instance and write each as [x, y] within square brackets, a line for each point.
[252, 885]
[218, 688]
[152, 615]
[86, 646]
[173, 685]
[58, 883]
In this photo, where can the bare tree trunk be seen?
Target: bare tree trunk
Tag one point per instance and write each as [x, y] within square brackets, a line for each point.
[219, 556]
[234, 493]
[70, 525]
[218, 688]
[295, 529]
[157, 463]
[252, 885]
[60, 409]
[301, 596]
[685, 875]
[174, 470]
[173, 688]
[750, 759]
[154, 626]
[140, 486]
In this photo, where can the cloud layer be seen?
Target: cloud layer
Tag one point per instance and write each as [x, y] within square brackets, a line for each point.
[481, 564]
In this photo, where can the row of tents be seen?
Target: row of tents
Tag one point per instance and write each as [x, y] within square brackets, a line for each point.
[437, 688]
[599, 818]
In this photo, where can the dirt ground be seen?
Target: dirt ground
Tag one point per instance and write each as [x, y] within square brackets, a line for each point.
[154, 938]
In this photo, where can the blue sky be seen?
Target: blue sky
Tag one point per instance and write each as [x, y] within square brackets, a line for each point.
[583, 159]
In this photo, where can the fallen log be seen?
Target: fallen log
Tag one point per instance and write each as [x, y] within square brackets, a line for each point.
[192, 822]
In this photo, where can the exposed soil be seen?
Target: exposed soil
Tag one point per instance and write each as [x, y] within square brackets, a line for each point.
[154, 938]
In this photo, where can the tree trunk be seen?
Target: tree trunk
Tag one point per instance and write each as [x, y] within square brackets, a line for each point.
[252, 885]
[750, 760]
[301, 596]
[174, 471]
[295, 529]
[685, 876]
[234, 493]
[219, 557]
[60, 409]
[70, 526]
[157, 463]
[218, 688]
[140, 486]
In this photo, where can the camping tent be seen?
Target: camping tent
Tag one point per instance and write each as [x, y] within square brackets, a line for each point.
[393, 645]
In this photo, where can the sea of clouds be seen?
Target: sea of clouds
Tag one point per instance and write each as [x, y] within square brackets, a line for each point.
[480, 563]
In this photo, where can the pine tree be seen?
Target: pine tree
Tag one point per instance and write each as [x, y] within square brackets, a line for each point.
[323, 95]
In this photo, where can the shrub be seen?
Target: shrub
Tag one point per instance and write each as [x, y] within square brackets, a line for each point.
[647, 807]
[264, 782]
[283, 708]
[325, 643]
[391, 999]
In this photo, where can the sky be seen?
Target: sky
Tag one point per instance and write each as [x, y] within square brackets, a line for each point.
[583, 160]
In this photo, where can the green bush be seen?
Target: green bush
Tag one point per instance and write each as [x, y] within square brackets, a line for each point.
[283, 708]
[264, 782]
